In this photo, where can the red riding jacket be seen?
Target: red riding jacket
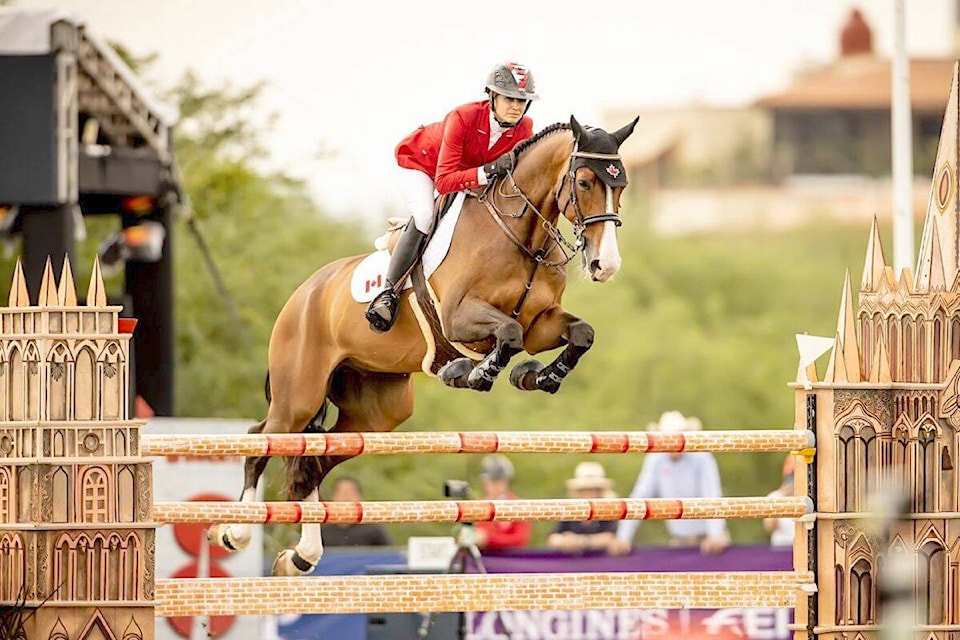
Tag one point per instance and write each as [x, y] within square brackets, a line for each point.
[450, 151]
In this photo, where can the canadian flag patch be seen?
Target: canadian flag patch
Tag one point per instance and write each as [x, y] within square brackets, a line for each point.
[613, 171]
[376, 283]
[520, 74]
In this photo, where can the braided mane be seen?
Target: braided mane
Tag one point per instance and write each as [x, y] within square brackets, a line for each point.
[543, 133]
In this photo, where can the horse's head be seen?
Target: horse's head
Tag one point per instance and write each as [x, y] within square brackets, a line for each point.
[589, 192]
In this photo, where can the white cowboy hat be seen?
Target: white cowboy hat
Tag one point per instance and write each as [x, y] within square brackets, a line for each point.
[589, 475]
[675, 422]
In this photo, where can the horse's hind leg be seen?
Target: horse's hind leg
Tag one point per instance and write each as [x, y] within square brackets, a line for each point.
[366, 402]
[236, 537]
[298, 395]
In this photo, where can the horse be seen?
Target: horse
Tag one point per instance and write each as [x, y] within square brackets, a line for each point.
[500, 290]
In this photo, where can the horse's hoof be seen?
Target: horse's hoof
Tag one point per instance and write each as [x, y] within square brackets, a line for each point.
[221, 535]
[547, 382]
[480, 380]
[455, 372]
[284, 565]
[524, 375]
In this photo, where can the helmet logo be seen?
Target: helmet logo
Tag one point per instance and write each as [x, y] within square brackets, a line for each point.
[520, 74]
[613, 171]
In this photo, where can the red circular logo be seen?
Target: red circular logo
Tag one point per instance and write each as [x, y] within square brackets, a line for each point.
[192, 538]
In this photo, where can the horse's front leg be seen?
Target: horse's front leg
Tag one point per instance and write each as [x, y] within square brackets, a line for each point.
[474, 320]
[552, 329]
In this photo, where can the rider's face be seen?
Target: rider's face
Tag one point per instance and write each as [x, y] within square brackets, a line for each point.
[508, 109]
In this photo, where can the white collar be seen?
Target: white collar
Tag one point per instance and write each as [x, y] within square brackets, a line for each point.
[496, 130]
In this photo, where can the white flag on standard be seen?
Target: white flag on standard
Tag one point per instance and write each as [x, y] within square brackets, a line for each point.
[811, 348]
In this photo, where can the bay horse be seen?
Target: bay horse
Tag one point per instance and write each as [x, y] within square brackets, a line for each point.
[500, 291]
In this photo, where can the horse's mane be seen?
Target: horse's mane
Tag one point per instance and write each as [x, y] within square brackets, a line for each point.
[540, 135]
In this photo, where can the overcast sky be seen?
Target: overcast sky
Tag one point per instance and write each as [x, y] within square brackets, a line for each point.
[357, 76]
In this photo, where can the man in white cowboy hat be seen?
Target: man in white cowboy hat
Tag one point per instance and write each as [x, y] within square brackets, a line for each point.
[678, 475]
[589, 482]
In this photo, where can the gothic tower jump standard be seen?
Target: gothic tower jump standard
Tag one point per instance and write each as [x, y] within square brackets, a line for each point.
[887, 409]
[76, 541]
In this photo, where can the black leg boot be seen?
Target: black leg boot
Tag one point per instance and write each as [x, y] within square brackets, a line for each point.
[382, 312]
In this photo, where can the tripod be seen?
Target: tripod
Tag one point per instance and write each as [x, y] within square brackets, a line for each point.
[466, 537]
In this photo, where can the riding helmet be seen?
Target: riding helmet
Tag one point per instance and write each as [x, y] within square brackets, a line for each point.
[513, 80]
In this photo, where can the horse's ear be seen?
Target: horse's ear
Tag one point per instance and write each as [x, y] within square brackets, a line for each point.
[577, 129]
[623, 133]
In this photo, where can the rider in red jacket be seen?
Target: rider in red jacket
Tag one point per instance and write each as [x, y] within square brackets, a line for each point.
[470, 147]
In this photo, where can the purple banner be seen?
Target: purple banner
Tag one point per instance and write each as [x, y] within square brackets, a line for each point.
[637, 624]
[647, 559]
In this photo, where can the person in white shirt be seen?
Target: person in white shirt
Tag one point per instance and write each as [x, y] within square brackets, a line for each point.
[678, 475]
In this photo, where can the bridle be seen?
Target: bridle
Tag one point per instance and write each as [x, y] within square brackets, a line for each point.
[580, 223]
[583, 221]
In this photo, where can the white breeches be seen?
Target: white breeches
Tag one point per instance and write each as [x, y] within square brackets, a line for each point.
[417, 191]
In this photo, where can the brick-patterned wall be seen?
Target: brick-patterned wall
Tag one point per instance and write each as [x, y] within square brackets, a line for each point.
[473, 442]
[476, 592]
[477, 510]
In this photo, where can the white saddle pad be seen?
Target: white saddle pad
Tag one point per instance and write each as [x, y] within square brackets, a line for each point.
[369, 276]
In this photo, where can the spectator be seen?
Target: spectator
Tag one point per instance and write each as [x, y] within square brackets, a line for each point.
[347, 489]
[496, 474]
[589, 482]
[781, 530]
[678, 475]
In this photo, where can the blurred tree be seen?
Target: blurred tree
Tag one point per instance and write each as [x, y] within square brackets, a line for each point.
[265, 232]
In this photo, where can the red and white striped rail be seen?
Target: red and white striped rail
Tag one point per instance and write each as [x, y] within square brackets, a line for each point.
[371, 443]
[478, 592]
[478, 510]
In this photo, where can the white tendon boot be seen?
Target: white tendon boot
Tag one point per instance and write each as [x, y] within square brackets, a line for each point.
[304, 557]
[233, 537]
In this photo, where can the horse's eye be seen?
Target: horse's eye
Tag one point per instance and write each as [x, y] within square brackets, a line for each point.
[583, 184]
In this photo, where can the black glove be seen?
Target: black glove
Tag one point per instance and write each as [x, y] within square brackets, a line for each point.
[499, 167]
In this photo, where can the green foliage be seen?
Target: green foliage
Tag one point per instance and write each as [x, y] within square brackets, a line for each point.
[265, 234]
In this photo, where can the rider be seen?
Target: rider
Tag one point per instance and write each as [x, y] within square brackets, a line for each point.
[469, 148]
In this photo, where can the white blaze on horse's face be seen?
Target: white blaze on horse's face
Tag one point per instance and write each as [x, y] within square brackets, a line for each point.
[607, 261]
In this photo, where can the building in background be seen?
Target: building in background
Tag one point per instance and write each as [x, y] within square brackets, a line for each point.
[835, 119]
[821, 145]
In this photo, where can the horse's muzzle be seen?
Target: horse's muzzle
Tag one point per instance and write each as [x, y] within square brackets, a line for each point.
[603, 271]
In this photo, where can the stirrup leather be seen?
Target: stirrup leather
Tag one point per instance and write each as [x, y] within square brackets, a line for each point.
[382, 312]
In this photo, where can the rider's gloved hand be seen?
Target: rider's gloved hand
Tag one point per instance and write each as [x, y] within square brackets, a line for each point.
[499, 167]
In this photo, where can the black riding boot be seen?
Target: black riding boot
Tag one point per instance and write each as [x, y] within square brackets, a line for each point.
[382, 312]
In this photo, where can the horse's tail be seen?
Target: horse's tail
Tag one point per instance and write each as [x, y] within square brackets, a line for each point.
[304, 473]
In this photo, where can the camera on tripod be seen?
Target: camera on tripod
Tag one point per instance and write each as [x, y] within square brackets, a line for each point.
[456, 489]
[465, 534]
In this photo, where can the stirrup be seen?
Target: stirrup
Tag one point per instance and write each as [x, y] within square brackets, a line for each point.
[386, 301]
